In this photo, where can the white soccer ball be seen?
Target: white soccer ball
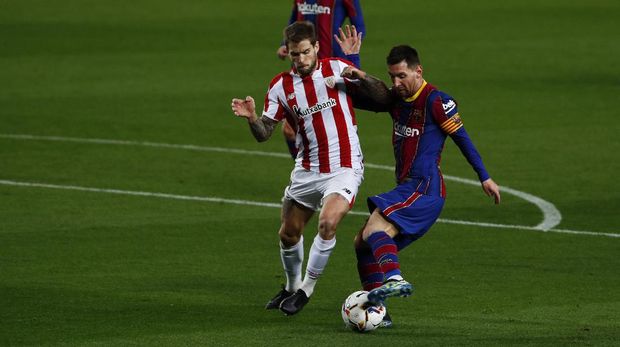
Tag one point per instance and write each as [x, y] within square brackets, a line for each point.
[359, 315]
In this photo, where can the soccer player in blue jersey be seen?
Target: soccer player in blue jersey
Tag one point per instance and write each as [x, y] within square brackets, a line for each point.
[423, 117]
[328, 16]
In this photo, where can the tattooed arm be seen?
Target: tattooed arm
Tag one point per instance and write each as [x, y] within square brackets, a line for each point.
[372, 94]
[262, 127]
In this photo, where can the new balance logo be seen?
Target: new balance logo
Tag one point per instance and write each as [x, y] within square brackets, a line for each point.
[315, 108]
[347, 191]
[306, 9]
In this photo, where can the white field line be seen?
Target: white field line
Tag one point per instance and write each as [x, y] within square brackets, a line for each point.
[551, 215]
[139, 193]
[272, 205]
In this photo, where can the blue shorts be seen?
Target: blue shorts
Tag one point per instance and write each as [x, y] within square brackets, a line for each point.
[411, 211]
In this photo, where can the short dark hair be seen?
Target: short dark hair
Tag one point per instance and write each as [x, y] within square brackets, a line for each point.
[403, 52]
[300, 31]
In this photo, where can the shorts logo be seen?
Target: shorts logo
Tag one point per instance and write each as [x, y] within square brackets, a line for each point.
[330, 81]
[314, 108]
[449, 106]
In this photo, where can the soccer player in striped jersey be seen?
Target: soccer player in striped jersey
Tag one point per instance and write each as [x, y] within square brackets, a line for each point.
[328, 16]
[328, 170]
[423, 117]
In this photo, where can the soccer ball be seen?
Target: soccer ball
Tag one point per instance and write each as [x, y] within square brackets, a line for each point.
[359, 315]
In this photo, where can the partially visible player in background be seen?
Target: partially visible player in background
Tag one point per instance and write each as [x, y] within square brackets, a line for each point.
[329, 168]
[423, 117]
[328, 16]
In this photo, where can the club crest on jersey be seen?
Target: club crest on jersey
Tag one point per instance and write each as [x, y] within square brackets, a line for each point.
[330, 81]
[314, 108]
[417, 116]
[291, 96]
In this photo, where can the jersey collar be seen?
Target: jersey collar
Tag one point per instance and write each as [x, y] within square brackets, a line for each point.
[415, 96]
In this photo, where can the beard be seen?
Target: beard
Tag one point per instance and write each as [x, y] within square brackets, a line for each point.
[403, 92]
[306, 70]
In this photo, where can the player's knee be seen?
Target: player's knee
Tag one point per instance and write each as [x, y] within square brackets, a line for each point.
[290, 235]
[289, 239]
[327, 226]
[367, 232]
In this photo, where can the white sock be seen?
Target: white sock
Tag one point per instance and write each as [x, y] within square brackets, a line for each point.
[292, 258]
[317, 260]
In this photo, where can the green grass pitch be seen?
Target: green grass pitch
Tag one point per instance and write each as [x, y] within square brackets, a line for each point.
[537, 84]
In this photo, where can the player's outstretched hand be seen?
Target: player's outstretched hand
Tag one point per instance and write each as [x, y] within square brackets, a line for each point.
[282, 52]
[244, 108]
[490, 188]
[349, 40]
[353, 73]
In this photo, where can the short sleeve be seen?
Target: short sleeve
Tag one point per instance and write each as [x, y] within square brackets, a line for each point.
[273, 107]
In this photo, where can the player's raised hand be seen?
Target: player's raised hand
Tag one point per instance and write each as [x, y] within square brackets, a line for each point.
[353, 73]
[282, 52]
[244, 108]
[349, 40]
[490, 188]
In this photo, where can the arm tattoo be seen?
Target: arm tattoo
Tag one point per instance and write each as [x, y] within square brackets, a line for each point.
[376, 90]
[262, 128]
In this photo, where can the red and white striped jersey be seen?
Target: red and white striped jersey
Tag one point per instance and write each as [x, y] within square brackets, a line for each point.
[321, 111]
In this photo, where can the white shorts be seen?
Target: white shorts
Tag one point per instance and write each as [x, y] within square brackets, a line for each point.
[309, 188]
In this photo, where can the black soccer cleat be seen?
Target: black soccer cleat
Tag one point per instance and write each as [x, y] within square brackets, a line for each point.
[277, 300]
[294, 303]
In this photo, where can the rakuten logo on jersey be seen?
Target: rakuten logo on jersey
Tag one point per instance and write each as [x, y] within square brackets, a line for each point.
[309, 9]
[405, 131]
[315, 108]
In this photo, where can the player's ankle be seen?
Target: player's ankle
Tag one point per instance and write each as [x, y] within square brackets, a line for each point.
[394, 278]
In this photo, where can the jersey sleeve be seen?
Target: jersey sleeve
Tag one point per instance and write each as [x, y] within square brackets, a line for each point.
[273, 107]
[355, 59]
[342, 64]
[445, 113]
[354, 11]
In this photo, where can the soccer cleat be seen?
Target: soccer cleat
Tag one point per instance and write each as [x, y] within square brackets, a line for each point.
[294, 303]
[388, 289]
[277, 300]
[386, 322]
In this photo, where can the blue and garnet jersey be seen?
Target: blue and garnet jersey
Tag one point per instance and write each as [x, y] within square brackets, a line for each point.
[328, 16]
[421, 124]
